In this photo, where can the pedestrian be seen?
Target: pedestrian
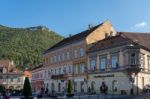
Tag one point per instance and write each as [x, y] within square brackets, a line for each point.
[63, 91]
[5, 96]
[104, 88]
[89, 90]
[0, 95]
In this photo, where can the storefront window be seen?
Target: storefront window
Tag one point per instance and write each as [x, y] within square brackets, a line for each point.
[114, 85]
[75, 86]
[82, 86]
[93, 86]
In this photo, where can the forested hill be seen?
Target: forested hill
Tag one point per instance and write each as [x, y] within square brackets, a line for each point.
[25, 45]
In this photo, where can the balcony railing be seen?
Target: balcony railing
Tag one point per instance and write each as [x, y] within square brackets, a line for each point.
[119, 68]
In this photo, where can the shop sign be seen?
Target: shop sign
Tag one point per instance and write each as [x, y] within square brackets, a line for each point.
[79, 79]
[102, 76]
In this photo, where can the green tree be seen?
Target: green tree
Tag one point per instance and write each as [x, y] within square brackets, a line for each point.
[25, 45]
[69, 88]
[2, 88]
[27, 88]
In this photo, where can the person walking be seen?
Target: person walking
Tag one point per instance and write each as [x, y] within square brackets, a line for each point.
[104, 88]
[5, 96]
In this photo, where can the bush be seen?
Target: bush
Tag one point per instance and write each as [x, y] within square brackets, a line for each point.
[27, 88]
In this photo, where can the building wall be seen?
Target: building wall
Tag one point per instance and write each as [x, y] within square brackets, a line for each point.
[79, 77]
[121, 75]
[99, 34]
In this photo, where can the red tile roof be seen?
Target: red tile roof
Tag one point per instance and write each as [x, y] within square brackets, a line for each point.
[74, 38]
[142, 39]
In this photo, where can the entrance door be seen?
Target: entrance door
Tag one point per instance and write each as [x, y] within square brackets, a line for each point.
[59, 87]
[53, 87]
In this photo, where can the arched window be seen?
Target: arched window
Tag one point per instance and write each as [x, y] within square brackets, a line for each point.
[93, 86]
[114, 86]
[53, 87]
[59, 87]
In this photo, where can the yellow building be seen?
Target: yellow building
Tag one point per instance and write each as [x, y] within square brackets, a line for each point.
[68, 59]
[122, 62]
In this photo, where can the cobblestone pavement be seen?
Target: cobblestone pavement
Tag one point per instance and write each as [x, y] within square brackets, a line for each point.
[99, 97]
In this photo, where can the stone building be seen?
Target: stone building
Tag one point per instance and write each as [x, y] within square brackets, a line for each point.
[10, 77]
[67, 60]
[121, 61]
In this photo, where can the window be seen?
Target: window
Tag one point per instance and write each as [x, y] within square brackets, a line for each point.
[55, 71]
[63, 56]
[67, 55]
[102, 63]
[81, 52]
[59, 70]
[142, 59]
[82, 86]
[55, 59]
[4, 70]
[82, 68]
[70, 69]
[64, 70]
[75, 86]
[18, 80]
[114, 61]
[114, 85]
[76, 69]
[133, 59]
[75, 54]
[51, 59]
[92, 64]
[11, 80]
[148, 62]
[59, 58]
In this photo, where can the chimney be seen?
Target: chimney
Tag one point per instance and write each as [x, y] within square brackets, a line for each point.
[70, 35]
[90, 26]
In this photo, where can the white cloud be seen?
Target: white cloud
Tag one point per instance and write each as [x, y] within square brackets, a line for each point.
[141, 25]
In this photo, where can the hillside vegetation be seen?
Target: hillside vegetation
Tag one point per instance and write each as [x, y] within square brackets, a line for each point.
[25, 45]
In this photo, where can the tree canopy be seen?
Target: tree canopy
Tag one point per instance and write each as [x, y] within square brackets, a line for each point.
[25, 45]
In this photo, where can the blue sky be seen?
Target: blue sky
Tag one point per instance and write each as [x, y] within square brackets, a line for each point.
[73, 16]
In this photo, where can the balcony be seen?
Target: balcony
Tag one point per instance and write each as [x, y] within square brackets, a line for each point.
[60, 76]
[133, 68]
